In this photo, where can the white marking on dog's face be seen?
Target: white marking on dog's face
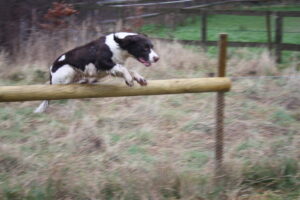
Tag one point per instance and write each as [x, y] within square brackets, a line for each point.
[119, 55]
[64, 75]
[62, 58]
[90, 70]
[153, 57]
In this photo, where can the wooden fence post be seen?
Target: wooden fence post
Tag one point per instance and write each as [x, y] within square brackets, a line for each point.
[278, 37]
[220, 104]
[204, 29]
[269, 30]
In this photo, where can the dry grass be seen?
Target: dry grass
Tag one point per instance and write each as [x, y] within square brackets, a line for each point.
[157, 147]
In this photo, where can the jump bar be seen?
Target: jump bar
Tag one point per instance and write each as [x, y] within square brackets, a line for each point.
[77, 91]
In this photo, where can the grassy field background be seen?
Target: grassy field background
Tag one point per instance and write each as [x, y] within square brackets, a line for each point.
[239, 28]
[155, 147]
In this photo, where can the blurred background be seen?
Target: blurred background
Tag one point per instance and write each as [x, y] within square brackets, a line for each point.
[155, 147]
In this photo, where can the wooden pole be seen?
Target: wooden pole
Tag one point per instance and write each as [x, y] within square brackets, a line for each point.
[278, 37]
[222, 55]
[75, 91]
[219, 137]
[269, 30]
[204, 29]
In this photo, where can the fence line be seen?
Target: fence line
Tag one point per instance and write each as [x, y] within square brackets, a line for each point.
[236, 12]
[282, 46]
[151, 4]
[220, 3]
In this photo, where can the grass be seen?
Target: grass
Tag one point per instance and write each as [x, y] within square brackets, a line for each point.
[152, 147]
[238, 28]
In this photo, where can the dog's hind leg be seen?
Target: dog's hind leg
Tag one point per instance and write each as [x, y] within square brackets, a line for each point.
[42, 107]
[64, 75]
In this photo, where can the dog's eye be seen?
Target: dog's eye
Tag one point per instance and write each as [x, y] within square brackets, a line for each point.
[146, 48]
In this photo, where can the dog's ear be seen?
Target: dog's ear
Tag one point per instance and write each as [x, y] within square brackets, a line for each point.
[128, 40]
[117, 40]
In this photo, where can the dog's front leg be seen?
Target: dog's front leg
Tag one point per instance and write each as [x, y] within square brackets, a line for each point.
[121, 71]
[138, 78]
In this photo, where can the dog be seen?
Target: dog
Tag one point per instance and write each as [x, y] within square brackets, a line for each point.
[102, 57]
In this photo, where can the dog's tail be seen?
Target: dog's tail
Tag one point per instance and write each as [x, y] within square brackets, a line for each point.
[42, 107]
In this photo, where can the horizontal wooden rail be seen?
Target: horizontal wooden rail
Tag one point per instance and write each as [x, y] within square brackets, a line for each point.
[283, 46]
[75, 91]
[227, 12]
[220, 3]
[123, 5]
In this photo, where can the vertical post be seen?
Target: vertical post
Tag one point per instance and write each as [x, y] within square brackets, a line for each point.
[278, 37]
[219, 137]
[204, 29]
[269, 30]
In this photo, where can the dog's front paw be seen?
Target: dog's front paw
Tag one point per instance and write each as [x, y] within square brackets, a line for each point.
[141, 80]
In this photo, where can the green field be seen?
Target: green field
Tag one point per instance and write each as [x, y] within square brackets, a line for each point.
[239, 28]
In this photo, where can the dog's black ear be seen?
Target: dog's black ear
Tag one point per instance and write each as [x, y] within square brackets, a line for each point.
[117, 40]
[125, 42]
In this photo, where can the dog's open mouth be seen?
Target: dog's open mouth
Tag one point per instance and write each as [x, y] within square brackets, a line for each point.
[146, 63]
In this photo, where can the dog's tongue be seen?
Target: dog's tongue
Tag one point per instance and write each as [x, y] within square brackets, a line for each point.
[146, 63]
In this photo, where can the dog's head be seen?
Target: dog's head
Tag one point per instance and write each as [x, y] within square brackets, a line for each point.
[140, 47]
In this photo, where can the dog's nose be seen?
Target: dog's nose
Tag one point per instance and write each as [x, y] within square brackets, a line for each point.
[156, 59]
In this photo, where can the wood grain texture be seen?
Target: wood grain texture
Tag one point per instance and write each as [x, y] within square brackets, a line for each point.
[76, 91]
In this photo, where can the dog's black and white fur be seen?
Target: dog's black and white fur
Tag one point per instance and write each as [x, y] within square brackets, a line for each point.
[102, 57]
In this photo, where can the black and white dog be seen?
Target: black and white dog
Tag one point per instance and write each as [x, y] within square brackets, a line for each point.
[102, 57]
